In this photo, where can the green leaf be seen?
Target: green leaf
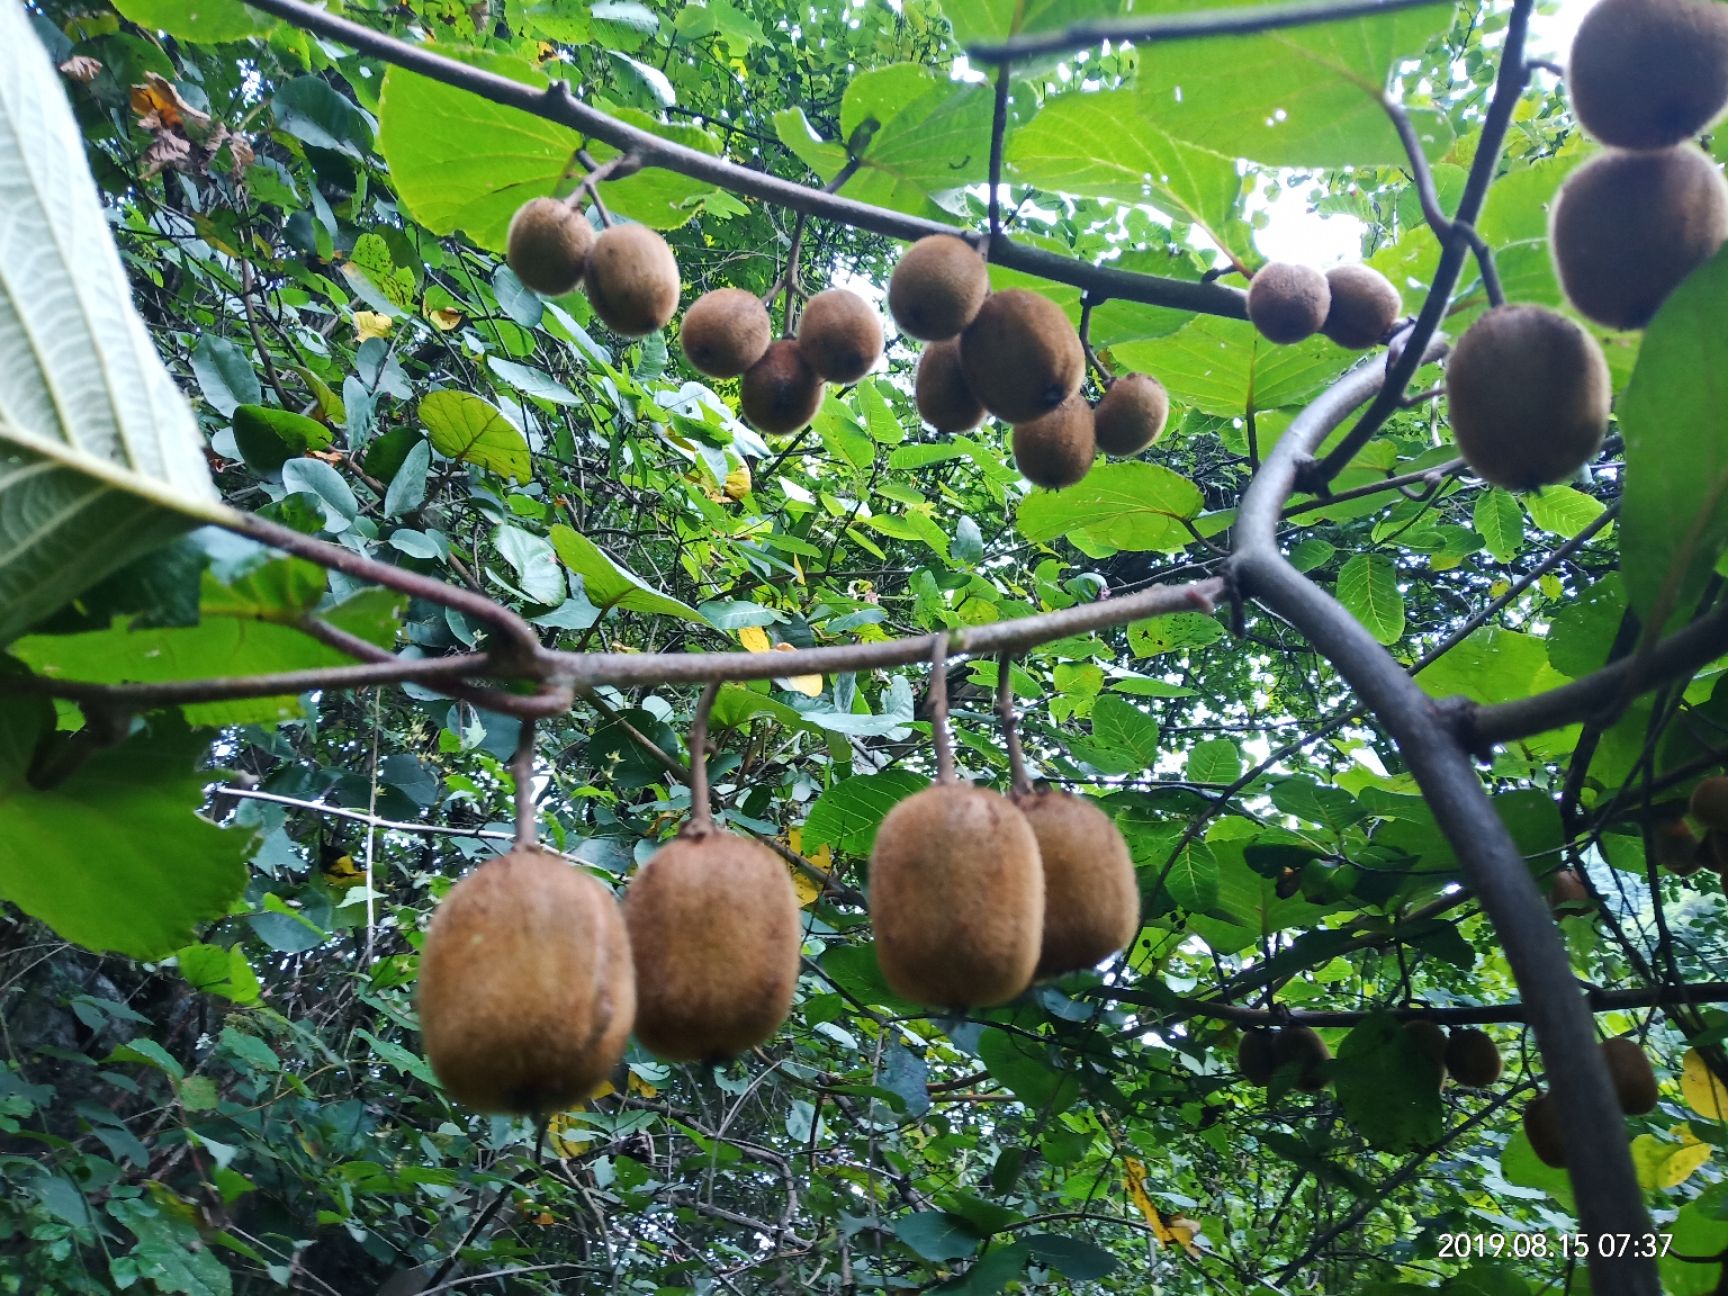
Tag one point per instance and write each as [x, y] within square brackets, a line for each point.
[224, 972]
[1500, 523]
[534, 562]
[847, 815]
[1171, 632]
[1216, 760]
[1193, 878]
[1223, 367]
[1126, 507]
[462, 426]
[316, 113]
[978, 22]
[1124, 738]
[1562, 511]
[224, 374]
[269, 437]
[1024, 1066]
[1073, 1257]
[1389, 1086]
[1491, 665]
[318, 479]
[608, 585]
[143, 871]
[937, 1235]
[197, 20]
[1368, 589]
[1583, 630]
[532, 382]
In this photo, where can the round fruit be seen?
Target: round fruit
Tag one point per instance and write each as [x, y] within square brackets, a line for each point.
[1676, 847]
[1648, 73]
[548, 245]
[957, 897]
[944, 400]
[1091, 897]
[1713, 852]
[1131, 415]
[1629, 1069]
[1257, 1057]
[1430, 1037]
[633, 280]
[1364, 306]
[1543, 1128]
[937, 287]
[526, 990]
[715, 931]
[1056, 450]
[1568, 894]
[1528, 391]
[841, 335]
[1473, 1058]
[1288, 302]
[781, 392]
[1628, 227]
[1021, 356]
[1289, 883]
[725, 332]
[1709, 804]
[1302, 1047]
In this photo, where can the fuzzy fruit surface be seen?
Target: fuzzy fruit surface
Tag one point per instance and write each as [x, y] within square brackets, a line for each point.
[1131, 415]
[1543, 1128]
[840, 335]
[944, 400]
[1364, 306]
[957, 897]
[780, 392]
[1709, 803]
[715, 932]
[548, 246]
[633, 280]
[1091, 897]
[725, 332]
[527, 992]
[1301, 1047]
[1473, 1058]
[1288, 302]
[1629, 1069]
[937, 287]
[1021, 356]
[1057, 449]
[1257, 1057]
[1645, 74]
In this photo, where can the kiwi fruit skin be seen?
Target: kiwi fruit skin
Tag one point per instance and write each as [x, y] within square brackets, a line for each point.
[957, 898]
[944, 400]
[725, 332]
[715, 930]
[1302, 1047]
[1709, 803]
[1629, 1069]
[1430, 1037]
[1364, 306]
[1567, 893]
[1021, 356]
[1628, 227]
[1091, 896]
[781, 392]
[633, 280]
[1528, 391]
[841, 335]
[1543, 1128]
[937, 287]
[1131, 415]
[548, 245]
[527, 992]
[1256, 1057]
[1645, 74]
[1676, 847]
[1287, 302]
[1057, 449]
[1473, 1058]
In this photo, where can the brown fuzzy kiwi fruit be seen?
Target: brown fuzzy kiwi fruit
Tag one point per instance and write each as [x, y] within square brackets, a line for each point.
[1302, 1047]
[1091, 896]
[1628, 227]
[1709, 803]
[781, 392]
[1473, 1058]
[841, 335]
[1528, 391]
[1131, 415]
[1629, 1069]
[1713, 852]
[944, 400]
[1364, 306]
[1021, 356]
[1543, 1128]
[1430, 1037]
[633, 280]
[957, 897]
[1257, 1057]
[725, 332]
[526, 991]
[548, 245]
[937, 287]
[1648, 73]
[715, 930]
[1567, 893]
[1057, 449]
[1288, 302]
[1676, 847]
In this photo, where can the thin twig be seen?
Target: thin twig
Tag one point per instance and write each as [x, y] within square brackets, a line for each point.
[1018, 780]
[522, 770]
[939, 707]
[701, 813]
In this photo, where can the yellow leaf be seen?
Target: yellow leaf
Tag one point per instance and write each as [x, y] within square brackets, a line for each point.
[370, 324]
[1703, 1093]
[754, 639]
[1662, 1164]
[565, 1137]
[807, 887]
[1177, 1231]
[738, 482]
[445, 320]
[808, 685]
[637, 1085]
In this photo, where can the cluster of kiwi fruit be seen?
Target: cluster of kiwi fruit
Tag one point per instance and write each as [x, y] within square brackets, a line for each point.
[532, 976]
[1013, 354]
[1469, 1056]
[1634, 1087]
[628, 271]
[1683, 850]
[974, 895]
[1354, 305]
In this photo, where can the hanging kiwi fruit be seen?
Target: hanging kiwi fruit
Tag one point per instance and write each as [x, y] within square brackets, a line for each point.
[781, 392]
[1363, 306]
[1021, 356]
[1131, 415]
[944, 400]
[1645, 74]
[632, 280]
[725, 332]
[1473, 1058]
[1301, 1048]
[548, 245]
[1056, 449]
[1257, 1057]
[840, 335]
[1287, 302]
[1634, 1080]
[1545, 1130]
[937, 287]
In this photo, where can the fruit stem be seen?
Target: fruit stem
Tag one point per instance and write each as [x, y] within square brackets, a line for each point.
[522, 770]
[939, 707]
[701, 816]
[998, 129]
[1017, 777]
[619, 167]
[1105, 377]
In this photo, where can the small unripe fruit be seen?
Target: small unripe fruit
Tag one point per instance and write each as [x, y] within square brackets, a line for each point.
[1021, 356]
[1056, 450]
[548, 245]
[1364, 306]
[944, 400]
[1634, 1081]
[937, 287]
[1543, 1128]
[633, 280]
[1257, 1057]
[725, 332]
[1473, 1058]
[1288, 302]
[1567, 894]
[1528, 392]
[1676, 847]
[1302, 1047]
[1709, 803]
[780, 392]
[1648, 73]
[1091, 897]
[840, 335]
[1131, 415]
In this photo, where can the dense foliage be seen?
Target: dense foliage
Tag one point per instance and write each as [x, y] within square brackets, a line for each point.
[213, 1081]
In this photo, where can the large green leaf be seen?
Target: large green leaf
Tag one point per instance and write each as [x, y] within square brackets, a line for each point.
[1135, 507]
[465, 427]
[847, 815]
[608, 585]
[1220, 366]
[114, 857]
[1368, 589]
[198, 20]
[978, 21]
[1389, 1085]
[100, 458]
